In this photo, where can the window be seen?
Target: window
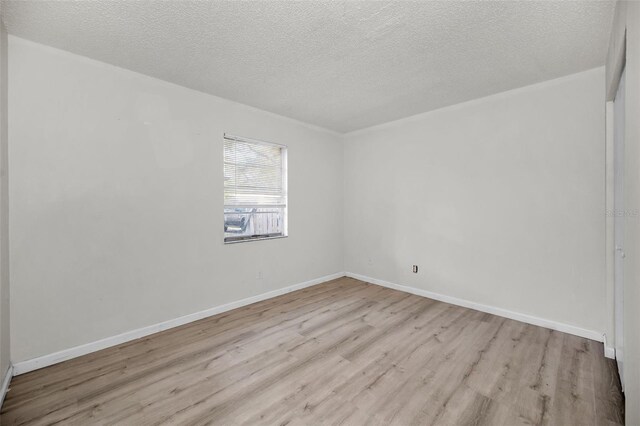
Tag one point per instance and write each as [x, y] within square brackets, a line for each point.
[255, 190]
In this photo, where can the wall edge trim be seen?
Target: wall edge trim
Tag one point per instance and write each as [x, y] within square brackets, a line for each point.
[5, 384]
[526, 318]
[87, 348]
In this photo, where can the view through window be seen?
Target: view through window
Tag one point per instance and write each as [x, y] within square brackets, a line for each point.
[255, 190]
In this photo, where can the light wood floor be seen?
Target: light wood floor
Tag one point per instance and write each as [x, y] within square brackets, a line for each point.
[343, 352]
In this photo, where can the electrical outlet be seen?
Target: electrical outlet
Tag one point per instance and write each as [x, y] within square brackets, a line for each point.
[415, 269]
[259, 275]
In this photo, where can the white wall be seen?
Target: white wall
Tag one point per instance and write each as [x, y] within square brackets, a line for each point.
[627, 22]
[5, 341]
[116, 201]
[500, 201]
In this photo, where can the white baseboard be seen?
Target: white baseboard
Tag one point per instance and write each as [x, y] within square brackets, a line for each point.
[609, 351]
[529, 319]
[5, 384]
[66, 354]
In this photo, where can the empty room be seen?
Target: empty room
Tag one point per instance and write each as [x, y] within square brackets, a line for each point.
[320, 212]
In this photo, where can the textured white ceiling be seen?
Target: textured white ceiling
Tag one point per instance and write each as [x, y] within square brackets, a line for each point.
[339, 65]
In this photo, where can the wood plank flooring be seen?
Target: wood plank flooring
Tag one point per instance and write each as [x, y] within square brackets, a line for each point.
[343, 352]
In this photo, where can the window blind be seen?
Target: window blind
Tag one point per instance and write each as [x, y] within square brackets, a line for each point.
[254, 173]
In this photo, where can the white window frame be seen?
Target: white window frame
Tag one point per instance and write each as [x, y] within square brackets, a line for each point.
[285, 214]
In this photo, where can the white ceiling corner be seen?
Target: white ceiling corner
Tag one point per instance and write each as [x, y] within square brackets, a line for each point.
[340, 65]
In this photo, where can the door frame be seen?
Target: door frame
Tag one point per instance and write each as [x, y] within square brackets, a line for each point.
[619, 217]
[613, 83]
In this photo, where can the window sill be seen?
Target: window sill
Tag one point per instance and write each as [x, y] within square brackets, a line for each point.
[250, 240]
